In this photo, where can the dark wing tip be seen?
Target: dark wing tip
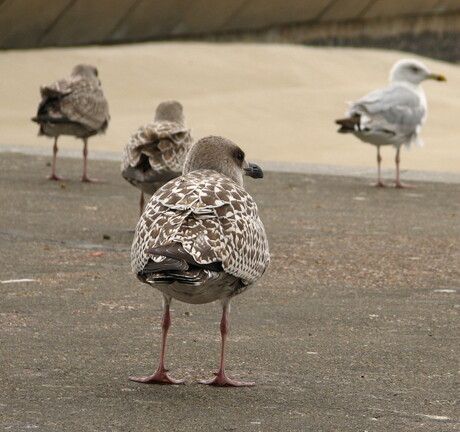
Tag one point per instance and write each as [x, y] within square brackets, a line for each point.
[177, 252]
[166, 265]
[349, 124]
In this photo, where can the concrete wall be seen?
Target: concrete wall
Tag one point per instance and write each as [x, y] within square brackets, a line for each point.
[41, 23]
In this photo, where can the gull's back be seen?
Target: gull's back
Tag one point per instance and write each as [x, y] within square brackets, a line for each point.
[214, 226]
[73, 106]
[392, 115]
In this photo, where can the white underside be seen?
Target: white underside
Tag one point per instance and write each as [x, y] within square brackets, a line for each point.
[381, 139]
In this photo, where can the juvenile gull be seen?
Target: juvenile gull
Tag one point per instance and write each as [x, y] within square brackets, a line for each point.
[393, 115]
[200, 239]
[73, 106]
[156, 152]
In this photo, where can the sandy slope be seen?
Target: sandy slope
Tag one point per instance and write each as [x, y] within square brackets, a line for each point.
[277, 101]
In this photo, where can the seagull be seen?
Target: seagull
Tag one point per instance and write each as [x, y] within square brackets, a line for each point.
[156, 152]
[73, 106]
[200, 239]
[393, 115]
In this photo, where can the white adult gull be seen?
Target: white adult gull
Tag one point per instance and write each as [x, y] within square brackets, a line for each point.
[200, 239]
[393, 115]
[156, 152]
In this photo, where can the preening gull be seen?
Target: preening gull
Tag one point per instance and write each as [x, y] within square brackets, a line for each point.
[200, 239]
[393, 115]
[156, 152]
[73, 106]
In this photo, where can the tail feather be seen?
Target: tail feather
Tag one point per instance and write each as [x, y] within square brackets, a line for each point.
[349, 124]
[50, 119]
[165, 265]
[176, 251]
[178, 266]
[193, 277]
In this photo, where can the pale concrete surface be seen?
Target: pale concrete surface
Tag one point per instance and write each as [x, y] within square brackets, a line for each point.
[278, 102]
[289, 167]
[354, 327]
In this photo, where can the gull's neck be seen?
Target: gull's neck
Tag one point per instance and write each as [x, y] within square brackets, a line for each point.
[416, 88]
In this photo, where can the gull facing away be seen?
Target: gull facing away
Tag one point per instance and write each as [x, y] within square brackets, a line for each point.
[393, 115]
[156, 152]
[200, 239]
[73, 106]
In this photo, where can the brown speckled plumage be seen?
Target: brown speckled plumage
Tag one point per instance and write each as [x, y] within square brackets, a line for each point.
[214, 219]
[73, 106]
[200, 238]
[156, 152]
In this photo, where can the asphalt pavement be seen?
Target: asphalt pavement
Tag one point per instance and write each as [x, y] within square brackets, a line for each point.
[355, 327]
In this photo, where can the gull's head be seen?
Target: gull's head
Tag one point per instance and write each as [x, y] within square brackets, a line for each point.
[222, 155]
[412, 71]
[170, 110]
[85, 70]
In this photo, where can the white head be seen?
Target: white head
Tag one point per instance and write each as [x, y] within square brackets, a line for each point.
[412, 71]
[170, 110]
[222, 155]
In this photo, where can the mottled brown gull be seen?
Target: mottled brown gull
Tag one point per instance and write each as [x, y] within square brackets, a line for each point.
[73, 106]
[393, 115]
[156, 152]
[200, 239]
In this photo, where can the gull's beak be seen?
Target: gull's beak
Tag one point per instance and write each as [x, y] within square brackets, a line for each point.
[436, 77]
[254, 171]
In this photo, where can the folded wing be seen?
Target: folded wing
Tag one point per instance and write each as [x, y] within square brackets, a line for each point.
[214, 221]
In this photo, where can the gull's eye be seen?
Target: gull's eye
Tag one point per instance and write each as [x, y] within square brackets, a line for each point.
[240, 156]
[414, 69]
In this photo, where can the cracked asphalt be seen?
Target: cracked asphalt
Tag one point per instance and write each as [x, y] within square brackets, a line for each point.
[355, 327]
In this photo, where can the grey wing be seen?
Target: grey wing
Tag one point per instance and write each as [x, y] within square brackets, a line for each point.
[394, 108]
[85, 103]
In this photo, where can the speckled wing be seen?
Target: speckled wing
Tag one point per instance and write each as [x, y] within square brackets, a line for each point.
[81, 100]
[164, 143]
[213, 218]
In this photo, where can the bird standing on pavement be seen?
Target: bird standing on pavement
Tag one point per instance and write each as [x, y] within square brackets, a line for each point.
[393, 115]
[200, 239]
[73, 106]
[156, 152]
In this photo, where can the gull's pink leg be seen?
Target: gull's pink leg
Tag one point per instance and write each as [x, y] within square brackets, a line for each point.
[221, 378]
[85, 177]
[160, 376]
[379, 161]
[142, 202]
[398, 183]
[53, 175]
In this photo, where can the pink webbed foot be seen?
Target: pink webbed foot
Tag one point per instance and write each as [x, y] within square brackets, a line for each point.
[221, 380]
[56, 177]
[86, 179]
[400, 185]
[379, 184]
[159, 377]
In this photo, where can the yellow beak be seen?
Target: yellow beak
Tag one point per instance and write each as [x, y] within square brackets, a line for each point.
[437, 77]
